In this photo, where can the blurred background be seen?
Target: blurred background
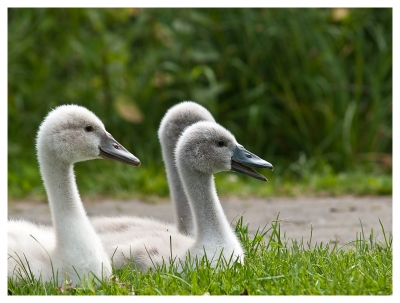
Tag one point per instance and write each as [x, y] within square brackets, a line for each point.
[309, 90]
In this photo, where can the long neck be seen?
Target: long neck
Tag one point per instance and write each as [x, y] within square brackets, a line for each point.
[183, 212]
[210, 220]
[68, 215]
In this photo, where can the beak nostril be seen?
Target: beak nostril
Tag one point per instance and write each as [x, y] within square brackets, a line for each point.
[248, 156]
[116, 146]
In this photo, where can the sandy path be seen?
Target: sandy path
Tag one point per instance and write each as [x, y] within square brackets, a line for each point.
[332, 219]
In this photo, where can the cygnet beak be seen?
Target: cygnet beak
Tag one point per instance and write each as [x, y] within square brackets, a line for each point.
[242, 158]
[111, 149]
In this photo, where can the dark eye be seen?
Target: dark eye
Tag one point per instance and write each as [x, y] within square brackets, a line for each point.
[89, 128]
[221, 143]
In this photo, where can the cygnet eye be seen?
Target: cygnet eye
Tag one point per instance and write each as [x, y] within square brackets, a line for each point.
[221, 143]
[89, 128]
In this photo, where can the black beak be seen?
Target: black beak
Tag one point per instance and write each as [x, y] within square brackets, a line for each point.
[111, 149]
[242, 158]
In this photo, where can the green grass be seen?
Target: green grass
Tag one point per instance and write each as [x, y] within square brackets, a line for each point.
[274, 265]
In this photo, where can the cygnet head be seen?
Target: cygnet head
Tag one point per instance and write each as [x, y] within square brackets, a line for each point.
[72, 133]
[178, 118]
[209, 148]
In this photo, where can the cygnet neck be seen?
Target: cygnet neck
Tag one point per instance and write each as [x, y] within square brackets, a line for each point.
[210, 220]
[65, 204]
[182, 212]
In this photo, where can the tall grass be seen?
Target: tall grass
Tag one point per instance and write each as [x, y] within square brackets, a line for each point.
[291, 84]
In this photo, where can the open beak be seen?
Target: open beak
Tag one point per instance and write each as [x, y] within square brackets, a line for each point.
[111, 149]
[242, 159]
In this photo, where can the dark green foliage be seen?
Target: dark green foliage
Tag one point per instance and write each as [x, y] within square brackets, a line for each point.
[293, 85]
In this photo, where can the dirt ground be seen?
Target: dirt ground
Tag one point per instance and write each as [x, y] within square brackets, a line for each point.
[332, 218]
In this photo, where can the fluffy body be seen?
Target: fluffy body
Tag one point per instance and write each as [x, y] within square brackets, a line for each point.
[141, 242]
